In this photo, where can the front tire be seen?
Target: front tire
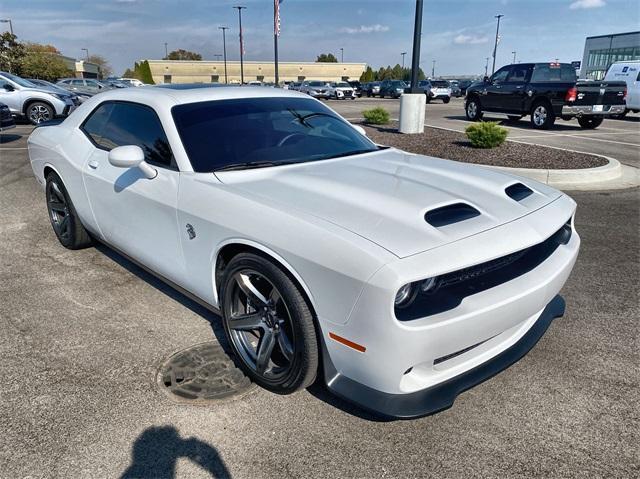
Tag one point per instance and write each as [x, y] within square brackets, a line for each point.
[590, 123]
[63, 216]
[472, 110]
[39, 112]
[446, 100]
[542, 116]
[269, 324]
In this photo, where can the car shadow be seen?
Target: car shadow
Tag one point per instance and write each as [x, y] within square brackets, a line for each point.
[156, 451]
[8, 138]
[214, 320]
[523, 124]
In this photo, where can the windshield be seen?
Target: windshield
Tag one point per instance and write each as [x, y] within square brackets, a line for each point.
[18, 80]
[439, 83]
[316, 83]
[233, 134]
[343, 85]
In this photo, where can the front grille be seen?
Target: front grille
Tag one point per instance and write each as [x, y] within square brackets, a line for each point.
[452, 288]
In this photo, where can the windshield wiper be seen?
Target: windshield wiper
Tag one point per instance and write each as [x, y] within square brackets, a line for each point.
[350, 153]
[249, 165]
[303, 118]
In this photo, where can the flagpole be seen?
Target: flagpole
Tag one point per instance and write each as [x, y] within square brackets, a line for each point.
[240, 8]
[276, 19]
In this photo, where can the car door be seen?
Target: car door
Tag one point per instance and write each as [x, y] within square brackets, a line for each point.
[493, 93]
[10, 96]
[513, 90]
[134, 214]
[93, 86]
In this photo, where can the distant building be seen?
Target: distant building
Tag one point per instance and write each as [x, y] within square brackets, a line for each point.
[603, 50]
[184, 71]
[81, 68]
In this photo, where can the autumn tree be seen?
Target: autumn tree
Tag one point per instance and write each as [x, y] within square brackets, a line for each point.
[104, 69]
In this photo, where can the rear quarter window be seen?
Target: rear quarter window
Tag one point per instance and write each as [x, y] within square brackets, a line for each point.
[552, 73]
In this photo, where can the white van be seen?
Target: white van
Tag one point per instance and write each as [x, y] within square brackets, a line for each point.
[628, 71]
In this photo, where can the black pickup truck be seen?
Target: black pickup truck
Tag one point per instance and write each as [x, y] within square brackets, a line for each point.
[545, 91]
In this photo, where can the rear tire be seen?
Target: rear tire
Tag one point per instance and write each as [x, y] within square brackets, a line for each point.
[472, 109]
[262, 306]
[446, 100]
[590, 123]
[63, 216]
[542, 116]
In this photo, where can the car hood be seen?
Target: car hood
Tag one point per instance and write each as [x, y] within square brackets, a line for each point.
[385, 196]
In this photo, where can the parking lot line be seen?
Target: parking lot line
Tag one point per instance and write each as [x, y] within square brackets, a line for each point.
[13, 148]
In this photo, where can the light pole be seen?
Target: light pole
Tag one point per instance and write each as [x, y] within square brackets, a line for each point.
[341, 55]
[217, 56]
[514, 57]
[433, 69]
[486, 67]
[224, 51]
[86, 50]
[8, 20]
[495, 45]
[166, 52]
[240, 8]
[403, 54]
[415, 54]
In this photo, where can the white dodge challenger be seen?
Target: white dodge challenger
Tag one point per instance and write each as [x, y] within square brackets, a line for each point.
[402, 279]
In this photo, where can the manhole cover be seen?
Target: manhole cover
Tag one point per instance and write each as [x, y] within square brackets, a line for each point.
[202, 374]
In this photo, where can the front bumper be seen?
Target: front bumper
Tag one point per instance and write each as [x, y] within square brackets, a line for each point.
[316, 94]
[588, 110]
[441, 396]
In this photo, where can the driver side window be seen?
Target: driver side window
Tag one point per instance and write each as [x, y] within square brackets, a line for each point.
[500, 76]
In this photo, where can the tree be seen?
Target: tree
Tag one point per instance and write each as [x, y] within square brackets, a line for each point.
[367, 76]
[104, 69]
[11, 53]
[128, 73]
[326, 58]
[142, 71]
[41, 48]
[44, 65]
[183, 55]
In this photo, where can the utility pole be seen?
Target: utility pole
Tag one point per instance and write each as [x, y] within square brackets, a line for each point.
[224, 51]
[8, 20]
[341, 55]
[217, 56]
[276, 33]
[495, 45]
[166, 52]
[415, 54]
[403, 54]
[486, 67]
[433, 69]
[240, 8]
[514, 57]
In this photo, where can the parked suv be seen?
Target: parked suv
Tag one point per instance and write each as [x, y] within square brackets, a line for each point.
[341, 91]
[372, 88]
[440, 90]
[392, 88]
[315, 88]
[357, 87]
[34, 103]
[545, 91]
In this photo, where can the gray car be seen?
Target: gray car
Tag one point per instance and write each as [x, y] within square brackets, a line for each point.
[83, 85]
[315, 88]
[77, 98]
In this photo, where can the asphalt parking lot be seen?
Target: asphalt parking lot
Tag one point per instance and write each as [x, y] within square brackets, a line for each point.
[619, 139]
[83, 334]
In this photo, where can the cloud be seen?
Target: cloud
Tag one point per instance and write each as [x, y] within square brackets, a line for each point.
[587, 4]
[377, 28]
[463, 39]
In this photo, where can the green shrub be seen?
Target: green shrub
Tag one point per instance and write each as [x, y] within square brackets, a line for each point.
[376, 116]
[486, 134]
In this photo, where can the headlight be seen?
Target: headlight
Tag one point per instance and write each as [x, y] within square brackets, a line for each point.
[405, 295]
[428, 285]
[61, 96]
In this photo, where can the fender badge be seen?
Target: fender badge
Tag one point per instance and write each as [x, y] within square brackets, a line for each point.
[191, 231]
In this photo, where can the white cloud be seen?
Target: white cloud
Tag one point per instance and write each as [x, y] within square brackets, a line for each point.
[377, 28]
[587, 4]
[463, 39]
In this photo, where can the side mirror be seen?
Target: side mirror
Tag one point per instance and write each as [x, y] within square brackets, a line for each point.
[8, 87]
[130, 156]
[360, 130]
[485, 79]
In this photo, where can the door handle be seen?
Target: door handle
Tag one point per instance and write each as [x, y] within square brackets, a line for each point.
[519, 87]
[93, 164]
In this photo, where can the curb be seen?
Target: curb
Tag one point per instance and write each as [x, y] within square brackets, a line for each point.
[613, 175]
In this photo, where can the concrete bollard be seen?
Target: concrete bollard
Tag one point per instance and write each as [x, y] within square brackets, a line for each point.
[412, 111]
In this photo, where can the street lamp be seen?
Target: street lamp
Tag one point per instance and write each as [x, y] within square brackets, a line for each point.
[86, 50]
[403, 54]
[7, 20]
[486, 67]
[495, 45]
[341, 55]
[240, 8]
[166, 52]
[514, 57]
[224, 51]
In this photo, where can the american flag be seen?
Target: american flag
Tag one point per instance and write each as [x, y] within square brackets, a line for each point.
[276, 17]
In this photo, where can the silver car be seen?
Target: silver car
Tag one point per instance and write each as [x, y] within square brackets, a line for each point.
[315, 88]
[83, 85]
[341, 91]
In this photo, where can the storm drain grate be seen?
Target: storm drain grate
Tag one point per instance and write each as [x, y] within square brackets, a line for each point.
[202, 374]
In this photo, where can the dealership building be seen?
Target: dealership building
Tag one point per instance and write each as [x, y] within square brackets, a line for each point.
[182, 71]
[603, 50]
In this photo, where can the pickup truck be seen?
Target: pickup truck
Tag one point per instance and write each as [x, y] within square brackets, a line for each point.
[545, 91]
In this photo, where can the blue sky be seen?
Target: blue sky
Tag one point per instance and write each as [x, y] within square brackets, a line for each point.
[457, 34]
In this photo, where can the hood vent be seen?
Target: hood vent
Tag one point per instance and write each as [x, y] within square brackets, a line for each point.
[450, 214]
[518, 191]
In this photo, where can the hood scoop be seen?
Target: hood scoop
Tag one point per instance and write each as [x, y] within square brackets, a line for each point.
[518, 191]
[450, 214]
